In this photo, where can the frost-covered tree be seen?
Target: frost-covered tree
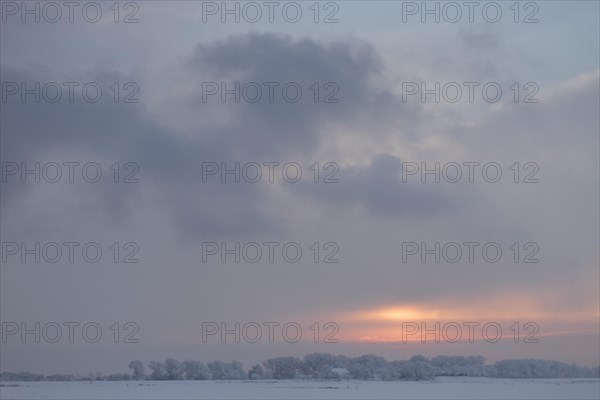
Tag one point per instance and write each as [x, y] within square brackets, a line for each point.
[234, 371]
[370, 366]
[137, 368]
[458, 365]
[158, 371]
[174, 369]
[417, 368]
[326, 372]
[315, 365]
[229, 371]
[217, 369]
[195, 370]
[537, 369]
[256, 372]
[283, 367]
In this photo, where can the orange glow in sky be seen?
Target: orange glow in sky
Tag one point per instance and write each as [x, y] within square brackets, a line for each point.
[386, 323]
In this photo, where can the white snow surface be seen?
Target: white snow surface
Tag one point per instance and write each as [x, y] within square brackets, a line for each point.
[440, 388]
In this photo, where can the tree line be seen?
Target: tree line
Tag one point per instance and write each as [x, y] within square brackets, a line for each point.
[324, 366]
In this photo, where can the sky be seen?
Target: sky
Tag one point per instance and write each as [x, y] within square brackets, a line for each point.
[364, 243]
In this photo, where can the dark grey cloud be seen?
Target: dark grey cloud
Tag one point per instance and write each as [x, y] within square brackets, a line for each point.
[172, 160]
[266, 129]
[380, 189]
[117, 132]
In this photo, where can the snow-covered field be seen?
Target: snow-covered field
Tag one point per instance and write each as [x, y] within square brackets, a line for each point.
[441, 388]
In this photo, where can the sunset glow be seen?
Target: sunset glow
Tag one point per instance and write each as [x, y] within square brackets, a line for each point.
[388, 323]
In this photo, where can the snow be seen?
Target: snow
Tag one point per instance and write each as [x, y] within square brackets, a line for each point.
[441, 388]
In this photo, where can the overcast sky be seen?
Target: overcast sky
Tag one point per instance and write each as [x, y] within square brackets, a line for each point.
[366, 210]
